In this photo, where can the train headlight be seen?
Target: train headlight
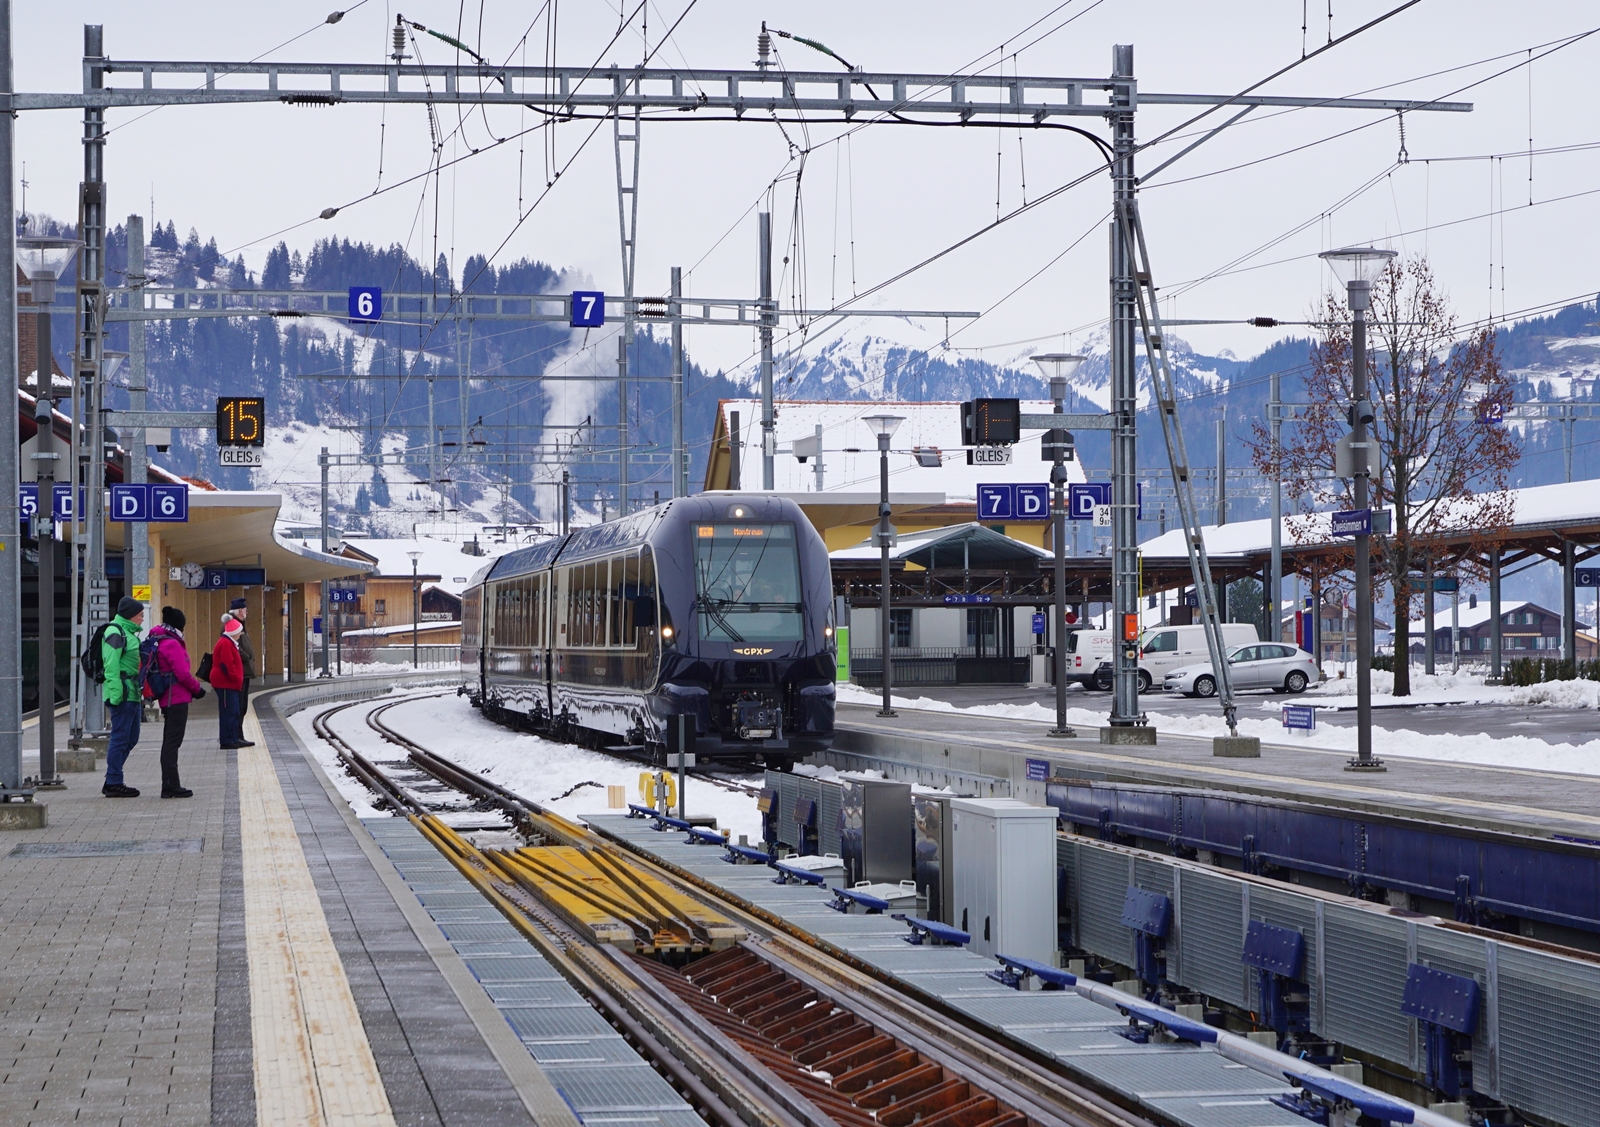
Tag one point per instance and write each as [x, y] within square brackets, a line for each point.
[666, 632]
[827, 631]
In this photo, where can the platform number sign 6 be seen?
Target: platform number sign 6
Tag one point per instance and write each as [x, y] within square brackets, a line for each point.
[588, 309]
[366, 304]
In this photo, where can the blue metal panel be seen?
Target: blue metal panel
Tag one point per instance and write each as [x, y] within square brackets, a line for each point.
[1337, 1090]
[1180, 1027]
[1481, 872]
[1280, 950]
[1147, 912]
[1450, 1000]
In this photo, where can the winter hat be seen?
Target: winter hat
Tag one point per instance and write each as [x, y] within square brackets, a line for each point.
[128, 607]
[231, 625]
[237, 604]
[173, 617]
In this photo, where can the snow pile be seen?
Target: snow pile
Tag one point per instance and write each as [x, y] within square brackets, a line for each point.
[538, 769]
[1558, 694]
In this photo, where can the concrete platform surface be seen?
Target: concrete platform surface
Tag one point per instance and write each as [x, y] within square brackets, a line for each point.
[243, 956]
[1503, 797]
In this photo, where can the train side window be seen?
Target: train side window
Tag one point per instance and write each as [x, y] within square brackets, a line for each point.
[644, 606]
[627, 601]
[594, 621]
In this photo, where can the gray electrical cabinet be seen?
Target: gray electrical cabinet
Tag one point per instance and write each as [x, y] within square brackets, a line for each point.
[931, 854]
[875, 834]
[1004, 855]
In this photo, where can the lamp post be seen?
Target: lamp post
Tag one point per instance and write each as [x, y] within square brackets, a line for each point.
[884, 427]
[43, 259]
[1059, 368]
[1357, 267]
[416, 609]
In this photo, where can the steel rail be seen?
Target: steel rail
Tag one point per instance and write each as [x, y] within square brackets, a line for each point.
[1024, 1079]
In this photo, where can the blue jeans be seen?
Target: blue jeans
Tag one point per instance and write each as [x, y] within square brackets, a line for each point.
[124, 734]
[230, 717]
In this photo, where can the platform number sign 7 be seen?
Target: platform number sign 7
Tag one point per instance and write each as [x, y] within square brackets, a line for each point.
[366, 304]
[588, 309]
[241, 420]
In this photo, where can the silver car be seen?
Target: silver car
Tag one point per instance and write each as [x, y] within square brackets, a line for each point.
[1261, 665]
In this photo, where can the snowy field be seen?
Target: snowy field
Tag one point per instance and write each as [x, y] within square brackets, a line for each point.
[537, 769]
[1390, 739]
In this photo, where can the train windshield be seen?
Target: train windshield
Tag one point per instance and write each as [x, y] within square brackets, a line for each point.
[747, 583]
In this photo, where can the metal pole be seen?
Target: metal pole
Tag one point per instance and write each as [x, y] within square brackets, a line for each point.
[1455, 628]
[1058, 535]
[138, 451]
[884, 601]
[680, 450]
[1275, 583]
[1569, 603]
[819, 457]
[1494, 614]
[735, 452]
[622, 416]
[683, 743]
[1428, 661]
[566, 501]
[1222, 468]
[416, 614]
[769, 442]
[44, 531]
[11, 523]
[1567, 420]
[1124, 402]
[91, 281]
[1360, 299]
[628, 226]
[322, 587]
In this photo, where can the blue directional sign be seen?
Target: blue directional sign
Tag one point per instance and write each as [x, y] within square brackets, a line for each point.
[1586, 576]
[130, 503]
[1084, 496]
[968, 600]
[1037, 770]
[1352, 522]
[61, 501]
[169, 503]
[588, 309]
[28, 500]
[216, 579]
[1026, 501]
[1038, 623]
[339, 595]
[366, 305]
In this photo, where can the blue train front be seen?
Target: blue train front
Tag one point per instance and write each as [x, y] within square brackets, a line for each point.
[717, 607]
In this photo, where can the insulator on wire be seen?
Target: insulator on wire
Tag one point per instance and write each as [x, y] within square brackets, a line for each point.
[399, 39]
[764, 47]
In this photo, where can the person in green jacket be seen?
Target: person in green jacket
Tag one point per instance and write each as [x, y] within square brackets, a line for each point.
[122, 693]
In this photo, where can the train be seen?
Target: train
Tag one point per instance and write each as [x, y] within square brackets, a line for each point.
[717, 608]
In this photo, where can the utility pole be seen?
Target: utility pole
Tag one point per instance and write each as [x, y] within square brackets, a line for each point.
[628, 223]
[322, 587]
[1275, 583]
[44, 533]
[680, 450]
[91, 283]
[1124, 408]
[134, 438]
[1222, 469]
[566, 502]
[769, 442]
[10, 525]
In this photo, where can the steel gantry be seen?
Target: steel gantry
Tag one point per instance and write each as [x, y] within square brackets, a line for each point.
[663, 94]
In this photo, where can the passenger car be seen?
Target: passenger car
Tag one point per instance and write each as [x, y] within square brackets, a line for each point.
[1262, 665]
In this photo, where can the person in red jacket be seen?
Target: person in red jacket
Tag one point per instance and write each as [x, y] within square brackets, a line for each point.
[172, 658]
[227, 677]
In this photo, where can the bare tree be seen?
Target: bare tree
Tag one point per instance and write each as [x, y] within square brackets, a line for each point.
[1444, 458]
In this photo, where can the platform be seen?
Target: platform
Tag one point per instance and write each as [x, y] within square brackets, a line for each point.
[248, 955]
[988, 753]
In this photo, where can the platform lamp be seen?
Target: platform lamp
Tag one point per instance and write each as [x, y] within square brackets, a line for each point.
[1358, 268]
[884, 427]
[416, 608]
[43, 259]
[1058, 368]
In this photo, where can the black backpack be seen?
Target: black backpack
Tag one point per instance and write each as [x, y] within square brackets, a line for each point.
[92, 659]
[157, 682]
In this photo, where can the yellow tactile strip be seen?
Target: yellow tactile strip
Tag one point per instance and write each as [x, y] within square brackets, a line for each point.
[313, 1063]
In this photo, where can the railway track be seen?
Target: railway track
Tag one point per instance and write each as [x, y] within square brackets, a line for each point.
[755, 1026]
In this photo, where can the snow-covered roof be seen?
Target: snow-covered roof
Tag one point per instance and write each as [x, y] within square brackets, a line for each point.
[983, 545]
[439, 557]
[850, 448]
[1467, 617]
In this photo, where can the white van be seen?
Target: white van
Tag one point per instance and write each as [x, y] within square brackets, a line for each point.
[1169, 647]
[1164, 648]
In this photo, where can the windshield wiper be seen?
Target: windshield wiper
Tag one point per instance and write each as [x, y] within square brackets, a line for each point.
[713, 608]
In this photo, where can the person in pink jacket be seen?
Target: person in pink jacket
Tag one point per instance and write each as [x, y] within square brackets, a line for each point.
[172, 659]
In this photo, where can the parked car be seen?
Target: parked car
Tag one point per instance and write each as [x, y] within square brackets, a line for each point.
[1264, 665]
[1164, 648]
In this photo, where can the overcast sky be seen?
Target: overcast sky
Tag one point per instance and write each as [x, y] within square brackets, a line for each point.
[1234, 228]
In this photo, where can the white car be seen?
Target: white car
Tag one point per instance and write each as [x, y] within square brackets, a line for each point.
[1263, 665]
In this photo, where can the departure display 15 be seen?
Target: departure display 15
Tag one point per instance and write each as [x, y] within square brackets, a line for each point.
[241, 420]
